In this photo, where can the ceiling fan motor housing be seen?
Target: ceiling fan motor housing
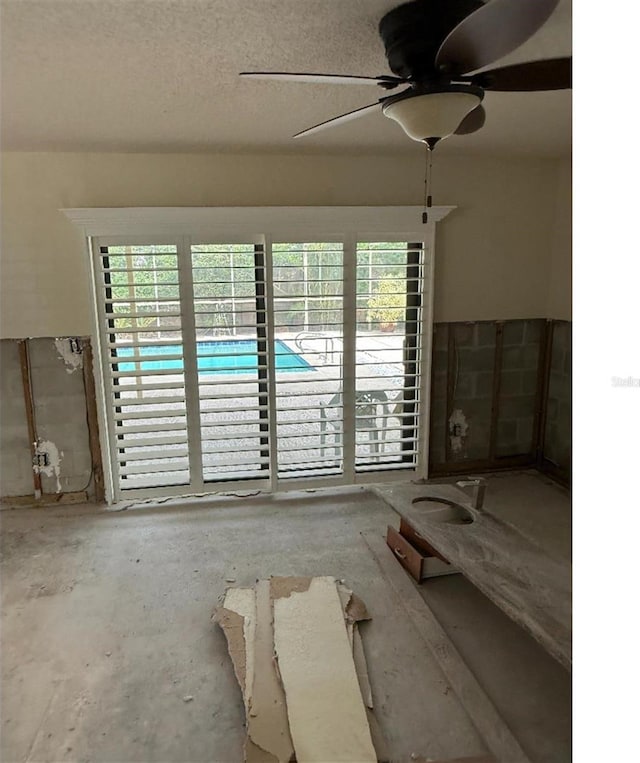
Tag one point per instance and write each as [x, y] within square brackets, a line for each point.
[433, 47]
[434, 112]
[413, 32]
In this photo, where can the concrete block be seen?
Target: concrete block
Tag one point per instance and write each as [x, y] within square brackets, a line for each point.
[441, 336]
[513, 333]
[43, 353]
[477, 444]
[440, 360]
[50, 484]
[486, 334]
[564, 410]
[12, 401]
[562, 334]
[557, 356]
[8, 352]
[464, 334]
[524, 357]
[464, 387]
[552, 410]
[510, 383]
[65, 435]
[481, 359]
[525, 433]
[477, 410]
[9, 359]
[56, 382]
[13, 433]
[512, 358]
[557, 445]
[507, 432]
[439, 406]
[16, 473]
[436, 444]
[75, 471]
[11, 377]
[12, 386]
[533, 331]
[61, 411]
[437, 432]
[439, 388]
[436, 456]
[484, 384]
[479, 453]
[529, 382]
[558, 384]
[531, 356]
[522, 406]
[457, 456]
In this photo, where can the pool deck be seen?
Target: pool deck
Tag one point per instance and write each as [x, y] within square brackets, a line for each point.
[379, 367]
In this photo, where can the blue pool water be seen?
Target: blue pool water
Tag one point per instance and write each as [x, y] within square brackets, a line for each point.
[221, 357]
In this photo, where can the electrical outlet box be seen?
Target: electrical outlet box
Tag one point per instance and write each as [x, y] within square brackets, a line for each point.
[76, 345]
[41, 459]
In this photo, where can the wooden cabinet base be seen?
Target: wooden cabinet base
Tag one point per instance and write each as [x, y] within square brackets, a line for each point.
[417, 558]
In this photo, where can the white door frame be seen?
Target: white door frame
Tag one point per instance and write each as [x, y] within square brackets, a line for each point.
[261, 225]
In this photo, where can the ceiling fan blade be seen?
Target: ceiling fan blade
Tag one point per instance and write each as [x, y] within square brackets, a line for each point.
[491, 32]
[472, 122]
[341, 119]
[550, 74]
[386, 81]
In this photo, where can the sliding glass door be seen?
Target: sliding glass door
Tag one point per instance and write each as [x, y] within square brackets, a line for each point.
[388, 379]
[143, 363]
[230, 332]
[274, 363]
[308, 317]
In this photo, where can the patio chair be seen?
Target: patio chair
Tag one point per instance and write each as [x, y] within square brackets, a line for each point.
[369, 406]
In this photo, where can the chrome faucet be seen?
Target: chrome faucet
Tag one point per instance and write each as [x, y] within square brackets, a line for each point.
[479, 486]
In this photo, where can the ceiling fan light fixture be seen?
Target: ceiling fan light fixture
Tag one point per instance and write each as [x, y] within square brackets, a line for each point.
[433, 114]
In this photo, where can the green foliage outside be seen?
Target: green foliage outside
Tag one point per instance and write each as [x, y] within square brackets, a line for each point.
[307, 277]
[388, 305]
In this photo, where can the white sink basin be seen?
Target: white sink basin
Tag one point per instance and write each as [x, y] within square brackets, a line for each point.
[443, 510]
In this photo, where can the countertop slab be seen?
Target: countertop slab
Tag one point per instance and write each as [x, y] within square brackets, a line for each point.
[520, 577]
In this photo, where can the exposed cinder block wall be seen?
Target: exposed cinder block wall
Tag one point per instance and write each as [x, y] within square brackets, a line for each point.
[488, 386]
[473, 346]
[519, 400]
[477, 418]
[60, 418]
[16, 472]
[438, 423]
[557, 431]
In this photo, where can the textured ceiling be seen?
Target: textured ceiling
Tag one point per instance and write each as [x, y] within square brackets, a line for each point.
[162, 75]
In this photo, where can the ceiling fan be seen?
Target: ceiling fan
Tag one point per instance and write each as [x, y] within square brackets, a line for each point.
[433, 47]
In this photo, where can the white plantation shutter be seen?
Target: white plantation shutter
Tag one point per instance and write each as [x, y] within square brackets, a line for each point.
[230, 323]
[308, 287]
[284, 360]
[141, 320]
[388, 376]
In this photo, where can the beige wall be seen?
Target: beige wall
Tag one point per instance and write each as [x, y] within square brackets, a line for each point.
[495, 253]
[559, 305]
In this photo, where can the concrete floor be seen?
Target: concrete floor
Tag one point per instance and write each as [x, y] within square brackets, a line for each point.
[106, 627]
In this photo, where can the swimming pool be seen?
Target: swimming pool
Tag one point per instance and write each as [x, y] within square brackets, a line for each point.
[238, 356]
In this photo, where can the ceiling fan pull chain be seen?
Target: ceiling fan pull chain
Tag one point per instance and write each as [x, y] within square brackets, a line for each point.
[427, 186]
